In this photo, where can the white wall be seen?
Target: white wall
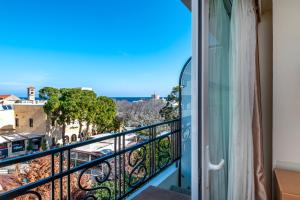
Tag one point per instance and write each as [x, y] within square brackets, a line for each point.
[7, 119]
[286, 83]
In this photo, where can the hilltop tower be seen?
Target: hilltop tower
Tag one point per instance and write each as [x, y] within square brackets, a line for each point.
[31, 93]
[155, 96]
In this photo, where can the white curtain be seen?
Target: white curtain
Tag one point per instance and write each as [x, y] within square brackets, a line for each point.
[241, 79]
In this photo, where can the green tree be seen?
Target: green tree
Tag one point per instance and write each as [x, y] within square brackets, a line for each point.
[44, 144]
[118, 124]
[171, 110]
[68, 108]
[86, 109]
[106, 111]
[52, 107]
[61, 105]
[67, 105]
[103, 193]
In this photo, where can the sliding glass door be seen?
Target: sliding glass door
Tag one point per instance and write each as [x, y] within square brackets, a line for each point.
[215, 99]
[210, 99]
[225, 96]
[218, 97]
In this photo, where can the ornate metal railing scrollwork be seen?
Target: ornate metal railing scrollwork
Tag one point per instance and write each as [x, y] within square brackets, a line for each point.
[99, 179]
[36, 194]
[134, 160]
[138, 166]
[164, 152]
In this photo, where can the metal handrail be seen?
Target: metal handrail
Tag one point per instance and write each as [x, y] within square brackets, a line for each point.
[122, 153]
[24, 158]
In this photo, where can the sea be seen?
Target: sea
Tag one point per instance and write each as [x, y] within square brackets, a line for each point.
[130, 99]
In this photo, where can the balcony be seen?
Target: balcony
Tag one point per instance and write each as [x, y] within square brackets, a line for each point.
[113, 175]
[111, 166]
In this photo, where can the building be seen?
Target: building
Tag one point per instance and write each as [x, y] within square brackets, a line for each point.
[21, 126]
[8, 99]
[155, 96]
[7, 119]
[85, 88]
[23, 123]
[31, 98]
[20, 117]
[31, 93]
[30, 118]
[12, 145]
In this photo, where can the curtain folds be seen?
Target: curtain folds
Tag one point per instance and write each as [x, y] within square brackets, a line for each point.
[261, 192]
[259, 176]
[235, 113]
[242, 62]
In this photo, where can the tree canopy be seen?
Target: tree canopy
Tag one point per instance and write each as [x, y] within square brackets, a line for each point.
[67, 105]
[105, 113]
[171, 110]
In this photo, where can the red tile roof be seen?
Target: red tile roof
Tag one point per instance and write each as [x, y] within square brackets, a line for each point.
[8, 182]
[4, 96]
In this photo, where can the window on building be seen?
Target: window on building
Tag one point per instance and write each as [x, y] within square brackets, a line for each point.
[67, 139]
[18, 146]
[36, 143]
[17, 122]
[30, 122]
[3, 146]
[3, 151]
[73, 138]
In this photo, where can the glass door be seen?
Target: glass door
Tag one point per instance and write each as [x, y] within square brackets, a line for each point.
[210, 99]
[215, 107]
[185, 114]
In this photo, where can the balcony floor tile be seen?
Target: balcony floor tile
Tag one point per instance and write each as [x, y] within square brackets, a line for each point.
[154, 193]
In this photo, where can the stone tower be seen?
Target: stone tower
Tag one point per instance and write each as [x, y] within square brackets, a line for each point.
[31, 93]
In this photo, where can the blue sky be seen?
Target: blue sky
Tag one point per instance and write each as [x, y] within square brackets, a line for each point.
[117, 47]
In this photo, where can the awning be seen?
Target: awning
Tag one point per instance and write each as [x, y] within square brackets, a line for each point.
[3, 140]
[31, 135]
[14, 137]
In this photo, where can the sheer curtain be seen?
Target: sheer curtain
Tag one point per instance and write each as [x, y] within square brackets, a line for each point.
[242, 62]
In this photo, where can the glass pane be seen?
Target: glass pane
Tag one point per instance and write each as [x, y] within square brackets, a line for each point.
[18, 146]
[218, 90]
[185, 84]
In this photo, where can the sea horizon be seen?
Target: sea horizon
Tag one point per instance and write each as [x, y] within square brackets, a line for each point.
[130, 99]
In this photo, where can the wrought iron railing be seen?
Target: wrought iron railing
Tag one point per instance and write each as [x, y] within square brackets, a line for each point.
[138, 156]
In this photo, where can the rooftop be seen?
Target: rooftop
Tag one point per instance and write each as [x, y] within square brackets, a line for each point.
[19, 136]
[4, 96]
